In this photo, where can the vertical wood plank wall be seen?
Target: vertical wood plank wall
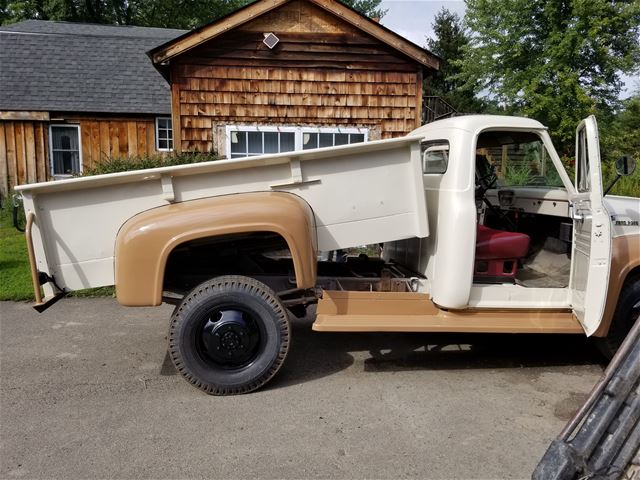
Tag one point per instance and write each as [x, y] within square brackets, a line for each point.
[323, 72]
[24, 145]
[23, 153]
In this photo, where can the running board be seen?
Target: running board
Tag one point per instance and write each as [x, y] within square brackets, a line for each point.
[343, 311]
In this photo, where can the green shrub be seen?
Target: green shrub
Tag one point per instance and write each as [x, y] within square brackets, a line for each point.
[626, 186]
[517, 175]
[124, 164]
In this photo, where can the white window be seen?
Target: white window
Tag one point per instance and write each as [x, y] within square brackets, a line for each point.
[164, 134]
[247, 141]
[65, 150]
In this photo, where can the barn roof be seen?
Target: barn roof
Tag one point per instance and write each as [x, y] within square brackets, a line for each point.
[160, 55]
[74, 67]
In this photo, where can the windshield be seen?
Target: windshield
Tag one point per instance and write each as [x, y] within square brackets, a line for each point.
[519, 159]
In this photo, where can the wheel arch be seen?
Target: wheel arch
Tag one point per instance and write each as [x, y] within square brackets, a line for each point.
[145, 241]
[625, 267]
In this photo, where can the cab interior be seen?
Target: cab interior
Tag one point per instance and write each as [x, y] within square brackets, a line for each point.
[524, 231]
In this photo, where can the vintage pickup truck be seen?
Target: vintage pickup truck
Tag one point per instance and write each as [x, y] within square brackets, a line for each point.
[479, 226]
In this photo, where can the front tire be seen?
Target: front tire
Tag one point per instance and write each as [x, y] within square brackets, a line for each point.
[627, 313]
[230, 335]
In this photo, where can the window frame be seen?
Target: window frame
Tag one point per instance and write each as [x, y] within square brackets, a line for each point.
[297, 131]
[158, 135]
[51, 161]
[440, 144]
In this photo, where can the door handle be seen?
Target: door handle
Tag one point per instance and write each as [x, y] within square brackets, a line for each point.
[578, 215]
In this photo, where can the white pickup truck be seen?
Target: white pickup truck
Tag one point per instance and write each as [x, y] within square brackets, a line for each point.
[479, 226]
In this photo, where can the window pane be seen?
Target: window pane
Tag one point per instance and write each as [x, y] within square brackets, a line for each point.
[255, 142]
[66, 163]
[270, 142]
[65, 138]
[356, 138]
[342, 138]
[65, 153]
[584, 180]
[309, 140]
[238, 142]
[435, 157]
[326, 140]
[519, 159]
[287, 141]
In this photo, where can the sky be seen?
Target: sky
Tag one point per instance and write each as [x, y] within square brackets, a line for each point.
[413, 18]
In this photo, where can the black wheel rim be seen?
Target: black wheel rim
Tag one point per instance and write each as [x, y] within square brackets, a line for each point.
[229, 337]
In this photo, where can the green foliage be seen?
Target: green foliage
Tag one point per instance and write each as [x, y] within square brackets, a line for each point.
[554, 60]
[151, 13]
[449, 43]
[184, 14]
[517, 175]
[620, 135]
[370, 8]
[124, 164]
[15, 278]
[181, 14]
[626, 186]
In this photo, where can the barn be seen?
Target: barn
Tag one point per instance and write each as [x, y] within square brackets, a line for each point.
[280, 75]
[74, 94]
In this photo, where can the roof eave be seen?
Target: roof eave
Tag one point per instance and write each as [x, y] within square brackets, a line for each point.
[167, 51]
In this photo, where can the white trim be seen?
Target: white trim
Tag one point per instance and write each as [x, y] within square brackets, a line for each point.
[298, 131]
[51, 163]
[158, 149]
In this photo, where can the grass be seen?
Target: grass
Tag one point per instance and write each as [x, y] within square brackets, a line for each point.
[15, 278]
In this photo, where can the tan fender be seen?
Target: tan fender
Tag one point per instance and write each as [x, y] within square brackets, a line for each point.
[145, 241]
[625, 256]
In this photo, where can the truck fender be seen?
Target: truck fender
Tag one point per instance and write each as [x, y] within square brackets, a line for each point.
[145, 241]
[625, 261]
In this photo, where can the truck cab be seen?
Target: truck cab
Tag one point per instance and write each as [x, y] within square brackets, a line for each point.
[511, 229]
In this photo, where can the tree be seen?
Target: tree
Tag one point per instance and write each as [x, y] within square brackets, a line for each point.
[449, 42]
[150, 13]
[370, 8]
[554, 60]
[185, 14]
[620, 135]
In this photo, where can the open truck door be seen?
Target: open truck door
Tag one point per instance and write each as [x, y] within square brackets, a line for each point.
[591, 248]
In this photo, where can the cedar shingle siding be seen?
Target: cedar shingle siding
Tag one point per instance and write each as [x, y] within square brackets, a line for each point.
[324, 72]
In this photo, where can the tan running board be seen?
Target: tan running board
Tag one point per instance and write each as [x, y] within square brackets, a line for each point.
[340, 311]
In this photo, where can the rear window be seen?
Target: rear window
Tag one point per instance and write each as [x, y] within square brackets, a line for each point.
[435, 157]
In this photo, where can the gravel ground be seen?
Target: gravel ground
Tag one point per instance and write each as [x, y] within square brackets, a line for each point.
[87, 391]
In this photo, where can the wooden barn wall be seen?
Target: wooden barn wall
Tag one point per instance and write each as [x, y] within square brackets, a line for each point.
[23, 153]
[322, 72]
[115, 137]
[24, 145]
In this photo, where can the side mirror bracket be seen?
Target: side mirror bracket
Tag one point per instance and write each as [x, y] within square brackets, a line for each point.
[625, 166]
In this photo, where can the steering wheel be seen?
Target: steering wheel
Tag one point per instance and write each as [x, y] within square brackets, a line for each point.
[486, 177]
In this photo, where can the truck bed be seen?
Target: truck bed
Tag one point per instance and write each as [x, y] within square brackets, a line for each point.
[360, 194]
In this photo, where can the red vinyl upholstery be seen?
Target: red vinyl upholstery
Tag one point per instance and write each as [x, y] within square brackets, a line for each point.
[498, 252]
[491, 244]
